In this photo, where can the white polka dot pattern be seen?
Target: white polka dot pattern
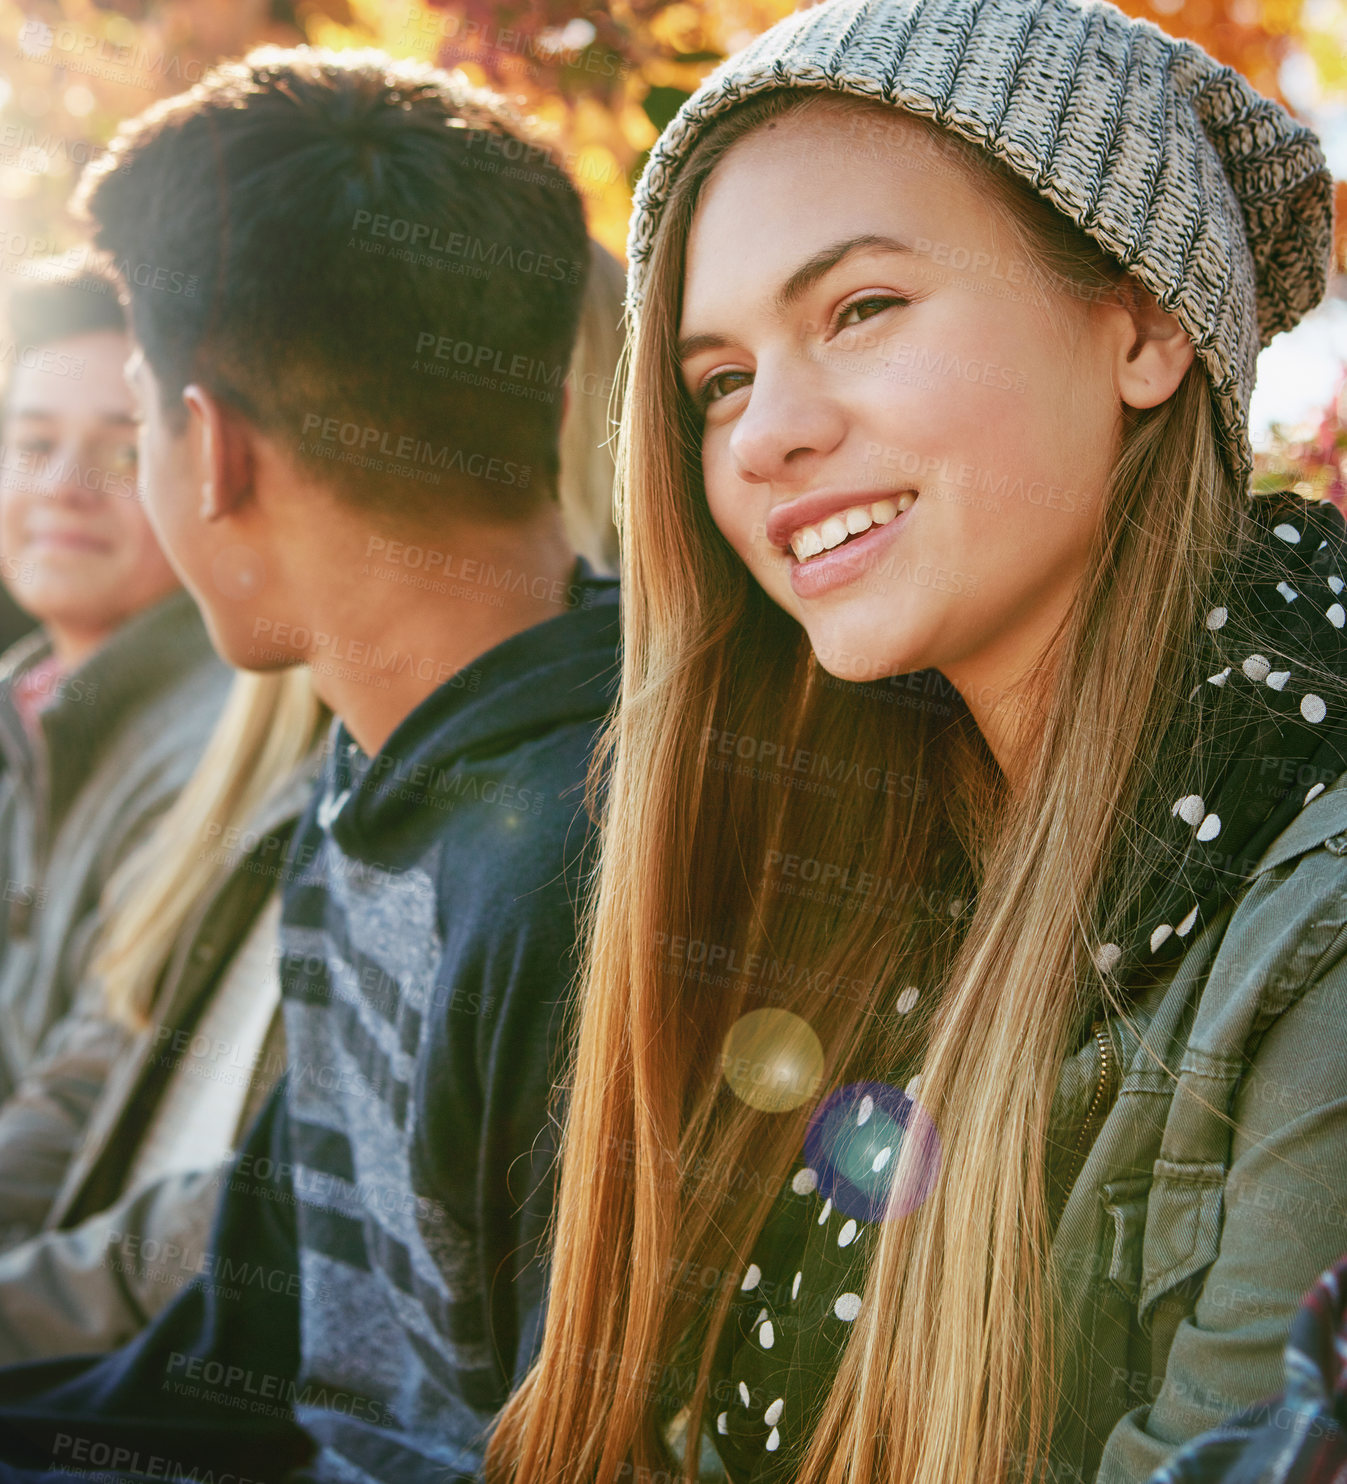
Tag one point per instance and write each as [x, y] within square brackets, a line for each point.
[804, 1182]
[798, 1302]
[848, 1307]
[1265, 711]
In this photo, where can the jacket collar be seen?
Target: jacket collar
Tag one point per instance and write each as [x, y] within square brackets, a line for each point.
[152, 650]
[1320, 820]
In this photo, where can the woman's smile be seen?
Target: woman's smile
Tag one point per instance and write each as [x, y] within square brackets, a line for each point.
[824, 559]
[810, 285]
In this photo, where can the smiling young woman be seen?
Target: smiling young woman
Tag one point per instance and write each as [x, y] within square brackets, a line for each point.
[807, 428]
[950, 1054]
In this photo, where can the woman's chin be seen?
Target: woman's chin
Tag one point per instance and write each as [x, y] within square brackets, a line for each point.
[866, 650]
[860, 663]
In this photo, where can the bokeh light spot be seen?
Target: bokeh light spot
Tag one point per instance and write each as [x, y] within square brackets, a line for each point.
[854, 1143]
[772, 1060]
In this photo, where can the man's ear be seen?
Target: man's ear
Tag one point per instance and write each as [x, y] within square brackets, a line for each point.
[223, 444]
[1154, 351]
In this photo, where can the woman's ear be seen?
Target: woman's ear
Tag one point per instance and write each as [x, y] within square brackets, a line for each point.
[222, 446]
[1154, 351]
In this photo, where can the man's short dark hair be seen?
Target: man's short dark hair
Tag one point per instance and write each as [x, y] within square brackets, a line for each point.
[375, 264]
[65, 299]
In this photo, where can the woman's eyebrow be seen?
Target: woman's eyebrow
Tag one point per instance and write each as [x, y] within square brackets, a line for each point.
[804, 277]
[690, 345]
[39, 414]
[827, 258]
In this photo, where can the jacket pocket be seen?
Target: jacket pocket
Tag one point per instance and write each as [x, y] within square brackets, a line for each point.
[1111, 1373]
[1183, 1227]
[1125, 1204]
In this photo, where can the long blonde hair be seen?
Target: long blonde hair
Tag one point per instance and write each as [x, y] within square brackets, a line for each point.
[588, 467]
[270, 722]
[666, 1177]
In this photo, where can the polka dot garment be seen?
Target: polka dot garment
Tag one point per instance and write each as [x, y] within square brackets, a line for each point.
[1277, 732]
[1276, 739]
[792, 1315]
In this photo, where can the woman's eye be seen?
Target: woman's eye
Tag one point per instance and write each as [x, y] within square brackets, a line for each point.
[122, 458]
[867, 308]
[42, 447]
[722, 384]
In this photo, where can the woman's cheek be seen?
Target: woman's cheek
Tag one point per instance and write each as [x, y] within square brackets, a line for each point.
[730, 514]
[737, 530]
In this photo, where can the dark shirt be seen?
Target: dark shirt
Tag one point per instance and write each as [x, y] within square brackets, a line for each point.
[376, 1286]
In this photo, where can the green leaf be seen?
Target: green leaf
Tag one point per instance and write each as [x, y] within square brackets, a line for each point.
[637, 165]
[661, 104]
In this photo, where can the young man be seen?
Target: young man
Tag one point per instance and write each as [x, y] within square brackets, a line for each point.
[375, 1286]
[105, 708]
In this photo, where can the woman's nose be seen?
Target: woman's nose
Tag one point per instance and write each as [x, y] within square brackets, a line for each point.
[790, 422]
[72, 474]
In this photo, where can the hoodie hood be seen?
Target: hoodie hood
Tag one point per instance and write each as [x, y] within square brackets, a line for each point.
[467, 735]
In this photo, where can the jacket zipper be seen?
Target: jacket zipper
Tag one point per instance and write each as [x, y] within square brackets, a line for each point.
[1105, 1069]
[1081, 1151]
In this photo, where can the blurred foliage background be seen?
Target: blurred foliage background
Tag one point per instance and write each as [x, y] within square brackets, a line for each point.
[601, 82]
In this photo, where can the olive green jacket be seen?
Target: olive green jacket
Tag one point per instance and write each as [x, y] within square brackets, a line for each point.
[1206, 1166]
[1214, 1191]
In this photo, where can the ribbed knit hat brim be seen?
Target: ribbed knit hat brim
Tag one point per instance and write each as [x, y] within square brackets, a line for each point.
[1213, 196]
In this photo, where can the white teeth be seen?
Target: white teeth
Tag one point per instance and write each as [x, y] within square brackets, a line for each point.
[809, 541]
[834, 531]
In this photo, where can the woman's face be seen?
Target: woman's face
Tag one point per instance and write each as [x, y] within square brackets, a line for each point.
[905, 442]
[78, 551]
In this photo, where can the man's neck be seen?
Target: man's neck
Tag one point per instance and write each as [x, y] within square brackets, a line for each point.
[72, 644]
[410, 614]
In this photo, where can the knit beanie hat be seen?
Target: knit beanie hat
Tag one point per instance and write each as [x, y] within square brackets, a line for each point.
[1210, 194]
